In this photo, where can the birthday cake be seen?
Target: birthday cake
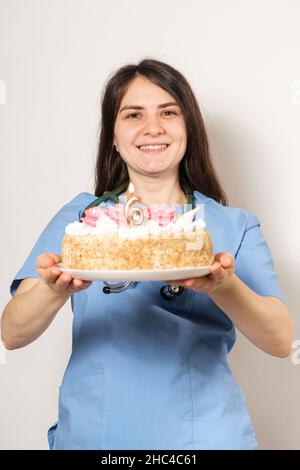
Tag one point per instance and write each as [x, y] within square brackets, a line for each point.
[137, 237]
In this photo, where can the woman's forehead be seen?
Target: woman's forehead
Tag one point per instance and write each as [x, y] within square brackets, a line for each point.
[143, 92]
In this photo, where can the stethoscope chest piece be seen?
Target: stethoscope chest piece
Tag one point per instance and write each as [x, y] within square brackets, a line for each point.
[169, 291]
[118, 286]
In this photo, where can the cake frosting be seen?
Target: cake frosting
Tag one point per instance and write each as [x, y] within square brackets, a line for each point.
[99, 222]
[105, 238]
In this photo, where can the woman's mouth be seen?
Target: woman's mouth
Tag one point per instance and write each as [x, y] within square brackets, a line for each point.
[153, 148]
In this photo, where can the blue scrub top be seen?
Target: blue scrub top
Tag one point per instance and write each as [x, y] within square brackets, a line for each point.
[149, 373]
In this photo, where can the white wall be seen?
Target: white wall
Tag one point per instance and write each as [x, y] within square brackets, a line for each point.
[241, 59]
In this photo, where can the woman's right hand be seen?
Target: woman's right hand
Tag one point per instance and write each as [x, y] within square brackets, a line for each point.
[59, 281]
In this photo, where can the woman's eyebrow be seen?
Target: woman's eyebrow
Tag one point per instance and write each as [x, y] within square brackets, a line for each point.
[163, 105]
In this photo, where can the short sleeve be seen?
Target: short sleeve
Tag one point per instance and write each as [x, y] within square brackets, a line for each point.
[254, 263]
[50, 239]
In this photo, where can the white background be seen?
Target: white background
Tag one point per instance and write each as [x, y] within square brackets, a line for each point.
[242, 61]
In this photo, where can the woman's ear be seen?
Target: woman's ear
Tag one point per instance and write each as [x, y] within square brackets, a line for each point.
[115, 144]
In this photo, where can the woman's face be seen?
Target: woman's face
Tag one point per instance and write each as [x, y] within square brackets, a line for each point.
[147, 120]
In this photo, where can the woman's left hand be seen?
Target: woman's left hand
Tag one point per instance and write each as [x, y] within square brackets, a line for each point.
[220, 277]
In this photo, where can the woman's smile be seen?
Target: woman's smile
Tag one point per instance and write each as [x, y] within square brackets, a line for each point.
[153, 149]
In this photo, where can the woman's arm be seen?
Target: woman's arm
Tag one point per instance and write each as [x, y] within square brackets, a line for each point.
[27, 315]
[32, 309]
[264, 320]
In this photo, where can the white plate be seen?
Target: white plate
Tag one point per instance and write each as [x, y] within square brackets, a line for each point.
[138, 275]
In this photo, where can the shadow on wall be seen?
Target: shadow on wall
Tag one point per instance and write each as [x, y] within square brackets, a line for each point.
[242, 158]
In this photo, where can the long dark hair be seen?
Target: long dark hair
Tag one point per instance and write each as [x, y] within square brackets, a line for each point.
[195, 168]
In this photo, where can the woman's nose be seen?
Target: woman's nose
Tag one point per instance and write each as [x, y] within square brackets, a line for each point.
[153, 126]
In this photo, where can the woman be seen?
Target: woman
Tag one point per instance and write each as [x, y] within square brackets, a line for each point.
[149, 372]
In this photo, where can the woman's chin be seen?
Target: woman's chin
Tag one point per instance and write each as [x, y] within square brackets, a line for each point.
[154, 168]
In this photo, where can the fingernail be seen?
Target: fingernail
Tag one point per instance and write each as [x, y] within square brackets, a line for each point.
[215, 268]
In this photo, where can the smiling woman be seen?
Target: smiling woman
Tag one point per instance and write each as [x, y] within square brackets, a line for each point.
[158, 132]
[144, 106]
[149, 371]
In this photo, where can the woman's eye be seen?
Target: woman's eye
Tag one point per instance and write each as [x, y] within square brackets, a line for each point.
[133, 115]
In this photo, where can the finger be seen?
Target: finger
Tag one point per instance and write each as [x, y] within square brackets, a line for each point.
[189, 282]
[80, 284]
[225, 259]
[77, 282]
[217, 276]
[216, 267]
[49, 275]
[199, 284]
[176, 282]
[46, 260]
[66, 280]
[56, 258]
[63, 281]
[181, 282]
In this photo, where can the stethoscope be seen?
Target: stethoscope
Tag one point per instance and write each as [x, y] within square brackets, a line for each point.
[168, 291]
